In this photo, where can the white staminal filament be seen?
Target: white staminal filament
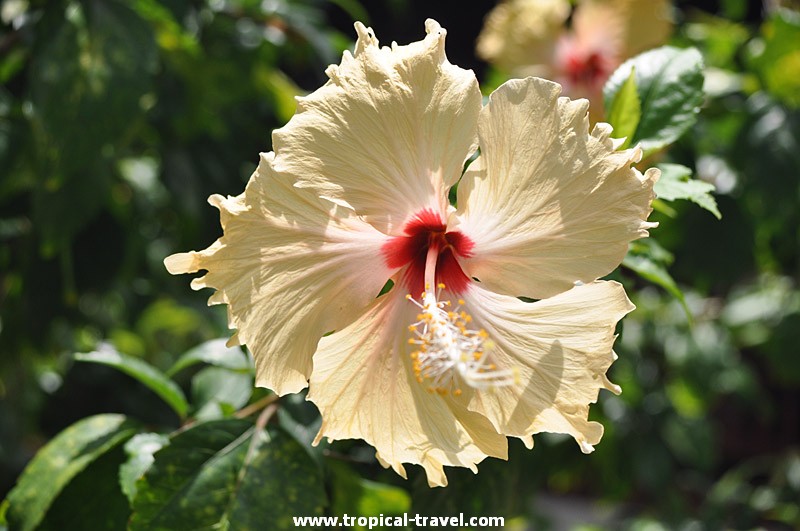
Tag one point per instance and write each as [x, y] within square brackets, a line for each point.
[448, 351]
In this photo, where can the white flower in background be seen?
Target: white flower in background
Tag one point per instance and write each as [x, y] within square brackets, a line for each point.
[531, 37]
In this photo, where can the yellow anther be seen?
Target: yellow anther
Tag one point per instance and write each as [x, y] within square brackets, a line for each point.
[461, 302]
[440, 285]
[447, 351]
[408, 297]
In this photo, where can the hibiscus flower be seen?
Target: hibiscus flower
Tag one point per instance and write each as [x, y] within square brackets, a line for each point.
[450, 361]
[531, 37]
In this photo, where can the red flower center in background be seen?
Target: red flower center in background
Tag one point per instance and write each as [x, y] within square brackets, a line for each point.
[588, 70]
[424, 231]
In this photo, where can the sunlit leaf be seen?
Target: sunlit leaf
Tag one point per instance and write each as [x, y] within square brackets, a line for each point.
[213, 352]
[283, 90]
[670, 86]
[676, 183]
[625, 110]
[63, 458]
[140, 449]
[145, 373]
[228, 473]
[216, 391]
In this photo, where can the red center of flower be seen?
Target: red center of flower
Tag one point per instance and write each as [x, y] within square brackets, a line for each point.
[423, 232]
[588, 70]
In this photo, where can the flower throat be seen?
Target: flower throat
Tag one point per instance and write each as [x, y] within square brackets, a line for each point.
[448, 352]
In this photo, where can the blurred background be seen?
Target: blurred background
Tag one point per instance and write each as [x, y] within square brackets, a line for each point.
[119, 118]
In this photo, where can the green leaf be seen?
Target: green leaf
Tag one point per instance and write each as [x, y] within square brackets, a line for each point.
[228, 474]
[676, 183]
[352, 494]
[12, 63]
[148, 375]
[106, 509]
[217, 391]
[213, 352]
[625, 110]
[283, 90]
[140, 449]
[669, 82]
[302, 420]
[650, 270]
[57, 463]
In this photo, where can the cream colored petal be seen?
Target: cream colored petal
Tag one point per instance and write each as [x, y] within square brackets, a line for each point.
[548, 203]
[291, 267]
[626, 26]
[364, 387]
[518, 35]
[560, 348]
[600, 25]
[388, 134]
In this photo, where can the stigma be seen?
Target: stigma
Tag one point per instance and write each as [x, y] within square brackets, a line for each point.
[449, 352]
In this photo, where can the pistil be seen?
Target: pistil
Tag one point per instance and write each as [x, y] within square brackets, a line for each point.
[449, 352]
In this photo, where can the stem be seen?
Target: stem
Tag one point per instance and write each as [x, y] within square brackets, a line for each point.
[263, 418]
[256, 406]
[242, 413]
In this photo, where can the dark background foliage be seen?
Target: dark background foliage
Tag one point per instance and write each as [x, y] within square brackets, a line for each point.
[118, 119]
